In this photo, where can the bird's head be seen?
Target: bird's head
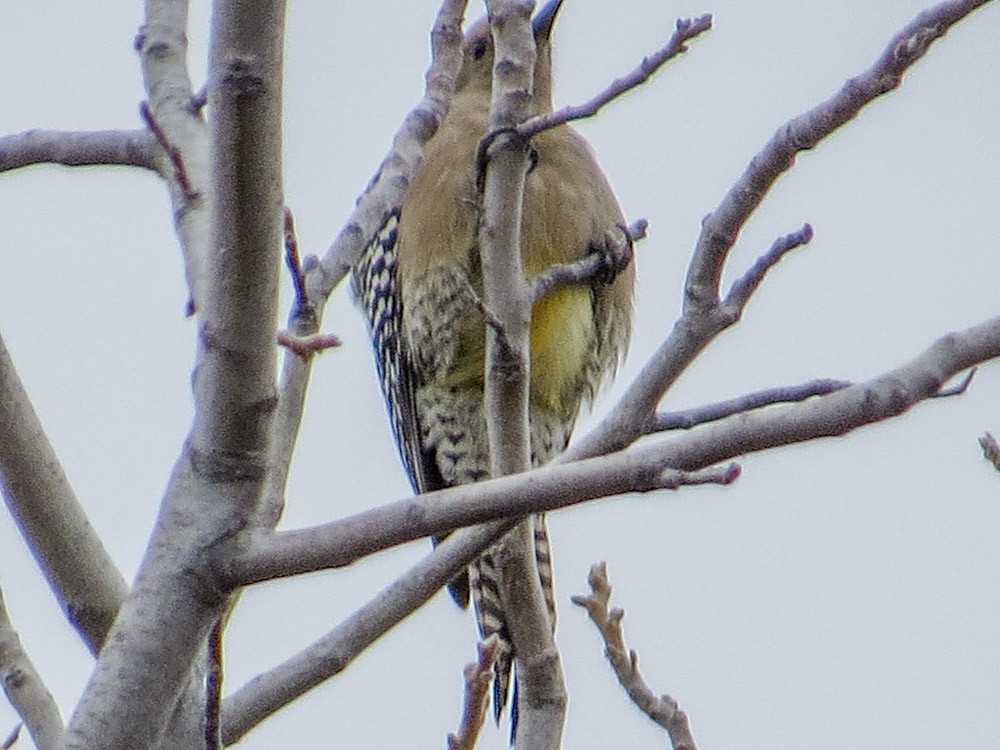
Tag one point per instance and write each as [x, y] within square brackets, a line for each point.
[476, 74]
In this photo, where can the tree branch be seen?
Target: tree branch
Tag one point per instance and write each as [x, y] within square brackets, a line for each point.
[837, 413]
[385, 191]
[541, 695]
[478, 678]
[267, 693]
[661, 709]
[686, 30]
[641, 468]
[162, 47]
[330, 655]
[133, 148]
[685, 420]
[78, 568]
[704, 316]
[159, 635]
[383, 194]
[344, 542]
[24, 687]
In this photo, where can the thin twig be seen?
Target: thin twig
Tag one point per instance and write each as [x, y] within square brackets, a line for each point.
[686, 30]
[294, 264]
[661, 709]
[685, 420]
[11, 738]
[746, 285]
[306, 346]
[174, 153]
[960, 387]
[991, 449]
[478, 678]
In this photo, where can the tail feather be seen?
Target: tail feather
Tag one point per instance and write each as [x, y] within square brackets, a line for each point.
[484, 581]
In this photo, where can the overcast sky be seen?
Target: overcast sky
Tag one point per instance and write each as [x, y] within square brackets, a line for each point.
[840, 594]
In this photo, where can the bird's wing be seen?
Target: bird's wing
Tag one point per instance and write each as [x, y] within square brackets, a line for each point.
[376, 289]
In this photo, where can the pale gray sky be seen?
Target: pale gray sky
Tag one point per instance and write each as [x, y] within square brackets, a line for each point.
[840, 594]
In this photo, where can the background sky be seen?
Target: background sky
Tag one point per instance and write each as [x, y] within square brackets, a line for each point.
[840, 594]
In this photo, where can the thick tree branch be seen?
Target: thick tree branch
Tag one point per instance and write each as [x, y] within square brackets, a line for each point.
[24, 687]
[133, 148]
[638, 469]
[704, 316]
[541, 695]
[145, 664]
[837, 413]
[80, 572]
[661, 709]
[344, 542]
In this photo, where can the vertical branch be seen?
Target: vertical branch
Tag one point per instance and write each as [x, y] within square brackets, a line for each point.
[149, 656]
[542, 697]
[162, 47]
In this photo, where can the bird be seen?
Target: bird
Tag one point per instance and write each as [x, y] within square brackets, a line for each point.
[419, 281]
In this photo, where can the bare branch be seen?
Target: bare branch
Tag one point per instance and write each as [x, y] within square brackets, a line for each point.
[385, 192]
[9, 741]
[747, 284]
[343, 542]
[24, 687]
[661, 709]
[162, 47]
[269, 692]
[541, 696]
[133, 148]
[478, 678]
[686, 30]
[991, 449]
[78, 568]
[721, 228]
[839, 412]
[685, 420]
[152, 651]
[704, 317]
[641, 468]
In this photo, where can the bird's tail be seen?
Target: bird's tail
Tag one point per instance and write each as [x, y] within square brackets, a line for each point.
[484, 579]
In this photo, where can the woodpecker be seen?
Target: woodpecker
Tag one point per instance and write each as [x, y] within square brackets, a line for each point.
[418, 284]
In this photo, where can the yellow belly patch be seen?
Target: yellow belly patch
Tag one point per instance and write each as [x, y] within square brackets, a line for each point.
[562, 334]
